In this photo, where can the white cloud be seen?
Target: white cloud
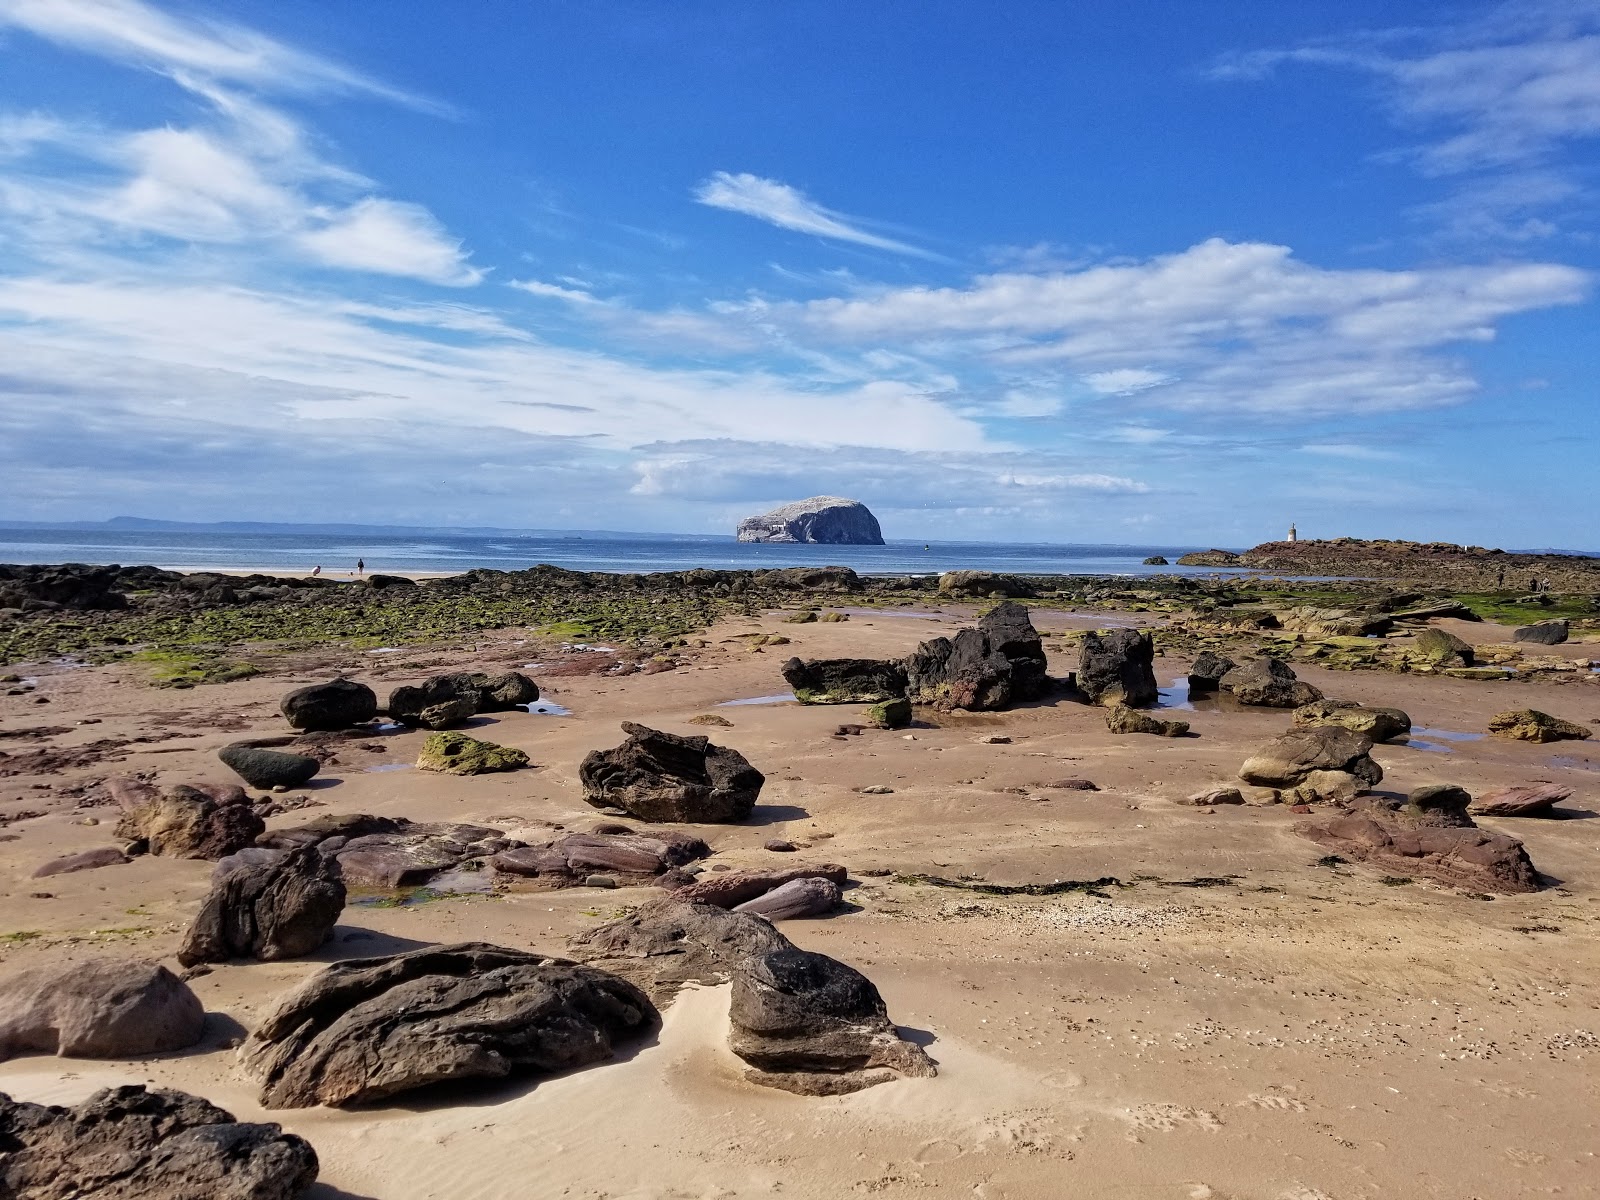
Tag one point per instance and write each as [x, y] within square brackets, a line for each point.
[1124, 381]
[138, 34]
[391, 238]
[554, 291]
[789, 208]
[1349, 450]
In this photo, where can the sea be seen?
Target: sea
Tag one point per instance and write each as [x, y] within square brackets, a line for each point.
[338, 553]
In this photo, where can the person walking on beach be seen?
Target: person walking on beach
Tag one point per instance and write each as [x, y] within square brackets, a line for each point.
[361, 566]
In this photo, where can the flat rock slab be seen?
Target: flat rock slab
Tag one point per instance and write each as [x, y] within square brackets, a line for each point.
[84, 860]
[630, 858]
[102, 1008]
[1528, 800]
[1384, 835]
[359, 1032]
[134, 1143]
[667, 943]
[390, 852]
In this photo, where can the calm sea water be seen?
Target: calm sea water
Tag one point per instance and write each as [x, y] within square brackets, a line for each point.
[337, 554]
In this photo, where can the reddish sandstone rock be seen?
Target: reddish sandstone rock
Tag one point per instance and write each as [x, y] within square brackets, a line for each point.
[1417, 840]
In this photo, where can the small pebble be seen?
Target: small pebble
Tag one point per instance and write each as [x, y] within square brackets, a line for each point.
[994, 739]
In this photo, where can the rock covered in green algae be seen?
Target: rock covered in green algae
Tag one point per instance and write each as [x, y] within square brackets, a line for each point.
[1122, 719]
[457, 754]
[1531, 725]
[890, 714]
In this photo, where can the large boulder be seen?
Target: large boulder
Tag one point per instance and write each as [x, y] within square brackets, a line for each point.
[1379, 724]
[668, 943]
[1010, 631]
[1544, 633]
[980, 584]
[1115, 668]
[1531, 725]
[1437, 841]
[457, 754]
[1268, 683]
[439, 702]
[823, 520]
[200, 821]
[966, 672]
[809, 1024]
[505, 691]
[660, 776]
[359, 1032]
[1439, 648]
[1527, 800]
[273, 910]
[845, 680]
[133, 1143]
[98, 1008]
[337, 704]
[627, 856]
[1205, 676]
[1288, 759]
[263, 768]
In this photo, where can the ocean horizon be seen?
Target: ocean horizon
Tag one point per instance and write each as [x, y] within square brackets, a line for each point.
[401, 551]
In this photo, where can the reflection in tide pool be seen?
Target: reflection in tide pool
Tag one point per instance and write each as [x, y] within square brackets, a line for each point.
[1437, 741]
[1177, 696]
[779, 698]
[547, 708]
[384, 768]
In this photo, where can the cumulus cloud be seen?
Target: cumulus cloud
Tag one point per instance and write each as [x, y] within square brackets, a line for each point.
[391, 238]
[789, 208]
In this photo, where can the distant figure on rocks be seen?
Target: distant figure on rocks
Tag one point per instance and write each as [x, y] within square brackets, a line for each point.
[361, 566]
[316, 570]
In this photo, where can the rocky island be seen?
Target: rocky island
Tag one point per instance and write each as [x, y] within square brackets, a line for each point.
[821, 520]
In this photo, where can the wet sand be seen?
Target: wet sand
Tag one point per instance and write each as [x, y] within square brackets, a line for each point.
[1298, 1033]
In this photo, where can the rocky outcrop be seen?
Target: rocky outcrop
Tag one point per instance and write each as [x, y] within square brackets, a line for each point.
[362, 1031]
[133, 1143]
[263, 768]
[100, 1008]
[1440, 648]
[845, 680]
[627, 856]
[981, 584]
[823, 520]
[1544, 633]
[1434, 838]
[1122, 719]
[1531, 725]
[1379, 724]
[337, 704]
[1205, 676]
[1156, 560]
[1289, 759]
[1115, 668]
[201, 821]
[457, 754]
[1528, 800]
[273, 910]
[74, 586]
[1209, 558]
[1433, 564]
[444, 701]
[388, 852]
[1268, 683]
[660, 776]
[668, 943]
[809, 1024]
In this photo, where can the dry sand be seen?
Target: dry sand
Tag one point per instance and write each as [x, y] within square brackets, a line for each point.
[1301, 1033]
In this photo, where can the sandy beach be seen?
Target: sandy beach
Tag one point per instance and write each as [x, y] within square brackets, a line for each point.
[1236, 1023]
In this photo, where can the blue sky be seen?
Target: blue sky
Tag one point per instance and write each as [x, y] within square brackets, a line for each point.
[1023, 271]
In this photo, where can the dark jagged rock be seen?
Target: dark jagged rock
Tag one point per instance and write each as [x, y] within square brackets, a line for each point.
[359, 1032]
[1379, 724]
[1209, 558]
[379, 582]
[961, 672]
[1115, 668]
[74, 586]
[1156, 560]
[660, 776]
[99, 1008]
[668, 942]
[443, 701]
[1268, 683]
[1288, 759]
[264, 768]
[1438, 841]
[1010, 631]
[629, 857]
[809, 1024]
[1544, 633]
[827, 520]
[134, 1143]
[505, 691]
[1205, 676]
[270, 911]
[342, 826]
[337, 704]
[845, 680]
[1528, 800]
[201, 821]
[391, 852]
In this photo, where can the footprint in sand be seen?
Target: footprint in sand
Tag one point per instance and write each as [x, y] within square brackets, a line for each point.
[1062, 1079]
[939, 1150]
[1166, 1118]
[1273, 1102]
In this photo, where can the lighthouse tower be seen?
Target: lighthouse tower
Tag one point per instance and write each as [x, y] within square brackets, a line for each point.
[1293, 536]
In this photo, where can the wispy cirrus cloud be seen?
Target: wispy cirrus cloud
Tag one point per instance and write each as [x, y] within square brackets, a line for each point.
[789, 208]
